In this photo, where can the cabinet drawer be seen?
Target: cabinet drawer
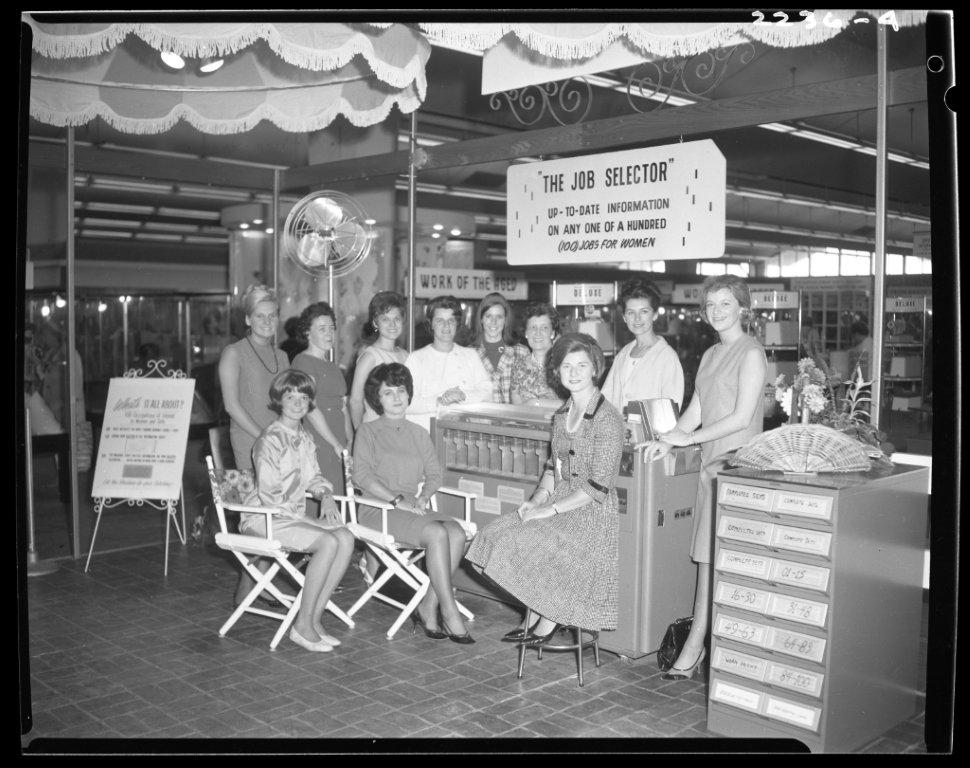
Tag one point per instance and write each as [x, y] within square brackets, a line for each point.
[738, 663]
[744, 563]
[802, 646]
[795, 678]
[802, 504]
[813, 577]
[765, 703]
[800, 540]
[745, 529]
[802, 715]
[741, 630]
[745, 496]
[741, 596]
[797, 609]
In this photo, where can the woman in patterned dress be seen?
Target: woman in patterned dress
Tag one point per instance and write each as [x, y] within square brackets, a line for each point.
[529, 382]
[329, 421]
[726, 411]
[558, 551]
[496, 348]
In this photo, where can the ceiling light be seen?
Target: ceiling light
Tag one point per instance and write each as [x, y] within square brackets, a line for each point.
[269, 230]
[172, 60]
[455, 232]
[45, 311]
[370, 222]
[243, 225]
[435, 235]
[59, 301]
[257, 222]
[210, 65]
[437, 227]
[102, 306]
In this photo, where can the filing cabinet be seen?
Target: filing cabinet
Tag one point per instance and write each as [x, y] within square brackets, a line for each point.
[817, 604]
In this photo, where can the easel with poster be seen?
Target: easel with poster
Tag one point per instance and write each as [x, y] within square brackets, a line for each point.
[141, 453]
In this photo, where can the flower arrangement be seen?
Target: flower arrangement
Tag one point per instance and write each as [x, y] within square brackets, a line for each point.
[812, 398]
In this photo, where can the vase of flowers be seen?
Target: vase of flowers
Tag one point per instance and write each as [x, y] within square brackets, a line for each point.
[811, 398]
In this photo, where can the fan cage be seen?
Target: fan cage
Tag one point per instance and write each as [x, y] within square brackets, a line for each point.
[803, 449]
[336, 247]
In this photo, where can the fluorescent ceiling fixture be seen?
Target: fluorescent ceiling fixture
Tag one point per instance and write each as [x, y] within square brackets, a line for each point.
[188, 213]
[779, 127]
[114, 207]
[799, 232]
[105, 233]
[825, 139]
[210, 65]
[129, 185]
[778, 197]
[204, 240]
[219, 193]
[172, 60]
[422, 141]
[94, 221]
[920, 164]
[157, 236]
[166, 226]
[441, 189]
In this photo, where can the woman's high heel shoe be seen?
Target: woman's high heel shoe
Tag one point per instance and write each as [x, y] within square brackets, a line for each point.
[465, 639]
[434, 634]
[516, 635]
[532, 640]
[685, 674]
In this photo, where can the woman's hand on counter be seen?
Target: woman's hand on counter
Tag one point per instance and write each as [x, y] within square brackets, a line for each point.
[654, 449]
[677, 437]
[451, 396]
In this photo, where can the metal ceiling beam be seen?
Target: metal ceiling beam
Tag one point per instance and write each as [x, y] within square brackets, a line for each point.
[852, 94]
[113, 162]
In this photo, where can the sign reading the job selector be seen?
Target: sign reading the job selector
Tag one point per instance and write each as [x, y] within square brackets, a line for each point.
[143, 439]
[636, 205]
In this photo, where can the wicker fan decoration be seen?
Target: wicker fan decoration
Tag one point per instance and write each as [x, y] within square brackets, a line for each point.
[803, 449]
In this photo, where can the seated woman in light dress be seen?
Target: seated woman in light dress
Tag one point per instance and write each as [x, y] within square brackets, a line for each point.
[285, 460]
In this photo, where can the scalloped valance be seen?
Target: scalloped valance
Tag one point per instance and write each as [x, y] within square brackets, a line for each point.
[584, 40]
[298, 76]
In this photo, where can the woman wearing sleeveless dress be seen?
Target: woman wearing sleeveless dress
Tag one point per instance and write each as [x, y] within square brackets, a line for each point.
[385, 322]
[725, 412]
[246, 370]
[329, 421]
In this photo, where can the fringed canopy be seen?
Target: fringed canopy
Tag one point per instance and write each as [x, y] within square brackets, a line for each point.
[581, 41]
[298, 76]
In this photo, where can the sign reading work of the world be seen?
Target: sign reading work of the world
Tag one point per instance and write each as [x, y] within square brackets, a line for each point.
[143, 439]
[468, 283]
[637, 205]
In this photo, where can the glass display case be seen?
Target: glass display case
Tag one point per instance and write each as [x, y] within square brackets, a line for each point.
[906, 337]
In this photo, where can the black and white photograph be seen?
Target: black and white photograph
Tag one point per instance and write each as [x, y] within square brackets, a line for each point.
[487, 382]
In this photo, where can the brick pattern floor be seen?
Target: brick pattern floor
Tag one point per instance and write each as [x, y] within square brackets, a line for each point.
[123, 652]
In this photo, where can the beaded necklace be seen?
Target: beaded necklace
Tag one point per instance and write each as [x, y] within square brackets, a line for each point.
[275, 358]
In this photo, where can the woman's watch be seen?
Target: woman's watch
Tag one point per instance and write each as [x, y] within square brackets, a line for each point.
[396, 500]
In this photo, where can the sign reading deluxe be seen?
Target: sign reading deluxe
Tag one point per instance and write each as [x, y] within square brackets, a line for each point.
[143, 439]
[468, 283]
[636, 205]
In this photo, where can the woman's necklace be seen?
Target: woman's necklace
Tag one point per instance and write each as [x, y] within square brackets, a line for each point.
[275, 358]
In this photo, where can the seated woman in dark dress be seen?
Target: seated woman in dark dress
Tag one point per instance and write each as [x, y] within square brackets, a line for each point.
[392, 456]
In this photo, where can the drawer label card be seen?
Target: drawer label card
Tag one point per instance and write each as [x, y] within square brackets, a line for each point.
[796, 609]
[742, 597]
[800, 680]
[742, 529]
[742, 562]
[748, 496]
[799, 574]
[510, 494]
[736, 695]
[790, 712]
[741, 664]
[801, 540]
[742, 631]
[471, 486]
[803, 504]
[797, 644]
[488, 504]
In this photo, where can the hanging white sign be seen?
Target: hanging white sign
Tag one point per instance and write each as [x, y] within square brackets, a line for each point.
[582, 294]
[774, 299]
[142, 449]
[635, 205]
[468, 283]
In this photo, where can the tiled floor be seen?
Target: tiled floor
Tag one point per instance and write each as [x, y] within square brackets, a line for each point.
[123, 652]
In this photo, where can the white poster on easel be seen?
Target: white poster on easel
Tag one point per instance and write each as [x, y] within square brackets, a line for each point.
[142, 448]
